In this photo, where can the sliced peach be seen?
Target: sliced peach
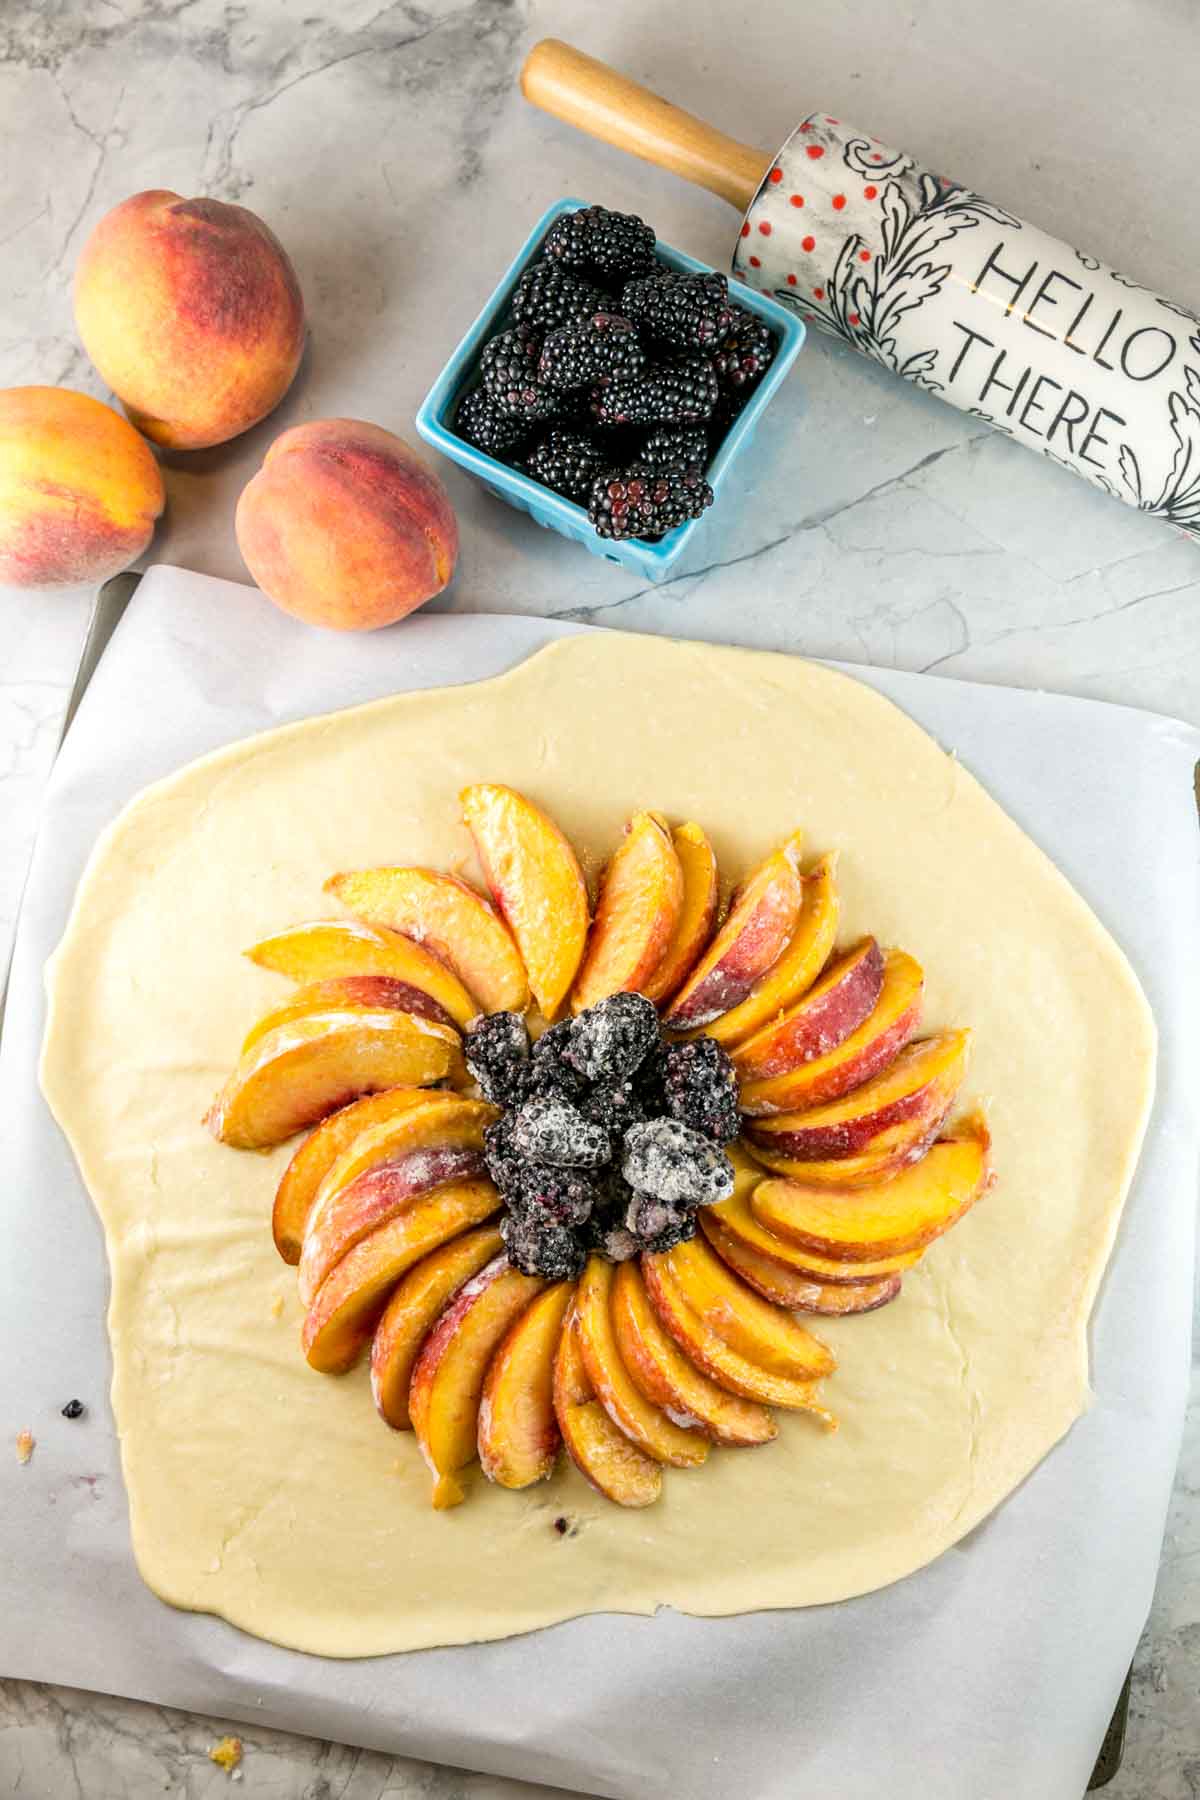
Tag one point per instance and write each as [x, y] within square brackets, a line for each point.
[895, 1149]
[701, 1344]
[518, 1435]
[330, 948]
[641, 897]
[760, 1333]
[414, 1309]
[603, 1454]
[339, 1323]
[306, 1069]
[784, 1287]
[893, 1218]
[667, 1377]
[648, 1426]
[802, 960]
[385, 1167]
[817, 1024]
[447, 917]
[344, 992]
[447, 1383]
[693, 928]
[738, 1219]
[533, 875]
[762, 917]
[920, 1083]
[354, 1212]
[316, 1156]
[857, 1058]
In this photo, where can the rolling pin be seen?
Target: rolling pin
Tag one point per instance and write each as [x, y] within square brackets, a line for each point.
[943, 287]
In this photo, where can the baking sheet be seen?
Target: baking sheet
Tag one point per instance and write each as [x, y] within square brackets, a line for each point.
[992, 1672]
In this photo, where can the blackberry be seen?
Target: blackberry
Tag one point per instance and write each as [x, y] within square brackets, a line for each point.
[675, 446]
[702, 1089]
[678, 393]
[547, 296]
[687, 312]
[674, 1163]
[481, 421]
[606, 1230]
[566, 461]
[497, 1055]
[549, 1250]
[551, 1196]
[500, 1156]
[550, 1130]
[657, 1225]
[746, 352]
[607, 1041]
[508, 368]
[641, 502]
[74, 1409]
[550, 1072]
[612, 245]
[600, 348]
[615, 1108]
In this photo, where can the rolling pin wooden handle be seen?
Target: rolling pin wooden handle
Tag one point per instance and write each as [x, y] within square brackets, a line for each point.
[588, 94]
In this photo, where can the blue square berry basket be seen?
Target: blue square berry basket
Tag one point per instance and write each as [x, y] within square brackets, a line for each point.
[652, 561]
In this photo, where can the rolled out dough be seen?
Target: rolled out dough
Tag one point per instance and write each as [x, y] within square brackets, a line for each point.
[274, 1496]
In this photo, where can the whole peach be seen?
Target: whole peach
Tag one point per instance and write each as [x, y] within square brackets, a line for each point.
[79, 489]
[345, 526]
[192, 313]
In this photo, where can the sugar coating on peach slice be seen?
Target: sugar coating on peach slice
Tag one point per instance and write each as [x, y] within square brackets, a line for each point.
[760, 1333]
[447, 917]
[646, 1424]
[384, 1167]
[858, 1057]
[447, 1382]
[697, 913]
[738, 1218]
[518, 1437]
[669, 1379]
[785, 1287]
[305, 1069]
[641, 896]
[329, 948]
[341, 1320]
[354, 1212]
[798, 965]
[534, 878]
[342, 992]
[723, 1365]
[601, 1452]
[892, 1218]
[895, 1149]
[414, 1308]
[922, 1080]
[762, 917]
[846, 994]
[311, 1163]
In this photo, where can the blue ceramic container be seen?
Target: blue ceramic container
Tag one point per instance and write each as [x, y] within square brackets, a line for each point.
[652, 561]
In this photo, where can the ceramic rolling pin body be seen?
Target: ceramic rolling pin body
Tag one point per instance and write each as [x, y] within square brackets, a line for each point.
[941, 286]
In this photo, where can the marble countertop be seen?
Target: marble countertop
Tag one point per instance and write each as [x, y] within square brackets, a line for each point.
[389, 148]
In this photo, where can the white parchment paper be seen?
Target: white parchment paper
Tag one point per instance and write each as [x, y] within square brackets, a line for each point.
[991, 1673]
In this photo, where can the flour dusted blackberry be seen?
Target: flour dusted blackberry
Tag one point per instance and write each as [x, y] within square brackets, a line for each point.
[676, 1164]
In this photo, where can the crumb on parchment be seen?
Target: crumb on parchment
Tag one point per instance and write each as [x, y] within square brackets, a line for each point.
[227, 1754]
[25, 1445]
[277, 1307]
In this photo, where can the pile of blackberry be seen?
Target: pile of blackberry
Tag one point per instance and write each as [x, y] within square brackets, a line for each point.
[608, 1140]
[618, 376]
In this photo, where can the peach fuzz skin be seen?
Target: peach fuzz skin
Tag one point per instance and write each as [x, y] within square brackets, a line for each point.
[79, 489]
[192, 313]
[345, 526]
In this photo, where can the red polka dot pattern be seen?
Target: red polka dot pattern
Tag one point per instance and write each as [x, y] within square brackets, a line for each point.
[839, 200]
[815, 150]
[869, 193]
[754, 263]
[764, 225]
[775, 175]
[797, 199]
[746, 229]
[808, 243]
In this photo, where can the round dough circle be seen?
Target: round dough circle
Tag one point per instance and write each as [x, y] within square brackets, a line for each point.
[274, 1496]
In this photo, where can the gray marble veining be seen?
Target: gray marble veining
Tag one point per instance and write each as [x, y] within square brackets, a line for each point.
[389, 148]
